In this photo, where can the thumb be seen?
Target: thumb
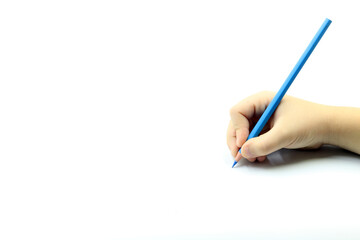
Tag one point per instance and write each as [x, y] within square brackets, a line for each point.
[265, 144]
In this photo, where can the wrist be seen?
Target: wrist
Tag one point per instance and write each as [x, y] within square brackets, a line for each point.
[331, 122]
[335, 125]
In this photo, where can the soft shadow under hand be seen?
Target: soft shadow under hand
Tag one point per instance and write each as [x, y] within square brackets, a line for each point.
[285, 157]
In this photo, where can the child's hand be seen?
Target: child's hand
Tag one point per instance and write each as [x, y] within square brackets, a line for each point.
[295, 124]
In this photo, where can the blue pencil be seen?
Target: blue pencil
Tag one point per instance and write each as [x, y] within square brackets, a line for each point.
[280, 94]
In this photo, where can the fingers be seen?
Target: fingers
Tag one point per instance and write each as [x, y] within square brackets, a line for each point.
[238, 156]
[243, 112]
[242, 115]
[252, 106]
[265, 144]
[260, 159]
[251, 159]
[241, 136]
[231, 140]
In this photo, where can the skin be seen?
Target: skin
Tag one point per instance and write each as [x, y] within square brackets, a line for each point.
[296, 123]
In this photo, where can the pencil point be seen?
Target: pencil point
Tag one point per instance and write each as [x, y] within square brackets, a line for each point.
[235, 162]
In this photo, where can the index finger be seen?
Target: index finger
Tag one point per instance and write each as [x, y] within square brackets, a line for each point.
[231, 140]
[245, 110]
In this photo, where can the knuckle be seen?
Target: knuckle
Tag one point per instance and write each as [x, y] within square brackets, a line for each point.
[233, 111]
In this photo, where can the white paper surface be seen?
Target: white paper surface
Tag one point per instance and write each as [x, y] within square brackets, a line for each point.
[113, 120]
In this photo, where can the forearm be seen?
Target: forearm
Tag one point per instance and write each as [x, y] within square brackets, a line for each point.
[344, 128]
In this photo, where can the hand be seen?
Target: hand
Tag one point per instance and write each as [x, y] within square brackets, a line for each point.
[295, 124]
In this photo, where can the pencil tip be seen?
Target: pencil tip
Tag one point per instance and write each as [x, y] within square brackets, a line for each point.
[235, 162]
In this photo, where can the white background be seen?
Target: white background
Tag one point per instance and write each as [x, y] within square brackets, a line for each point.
[113, 118]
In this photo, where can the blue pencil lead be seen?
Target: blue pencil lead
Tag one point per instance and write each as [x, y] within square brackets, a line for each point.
[235, 162]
